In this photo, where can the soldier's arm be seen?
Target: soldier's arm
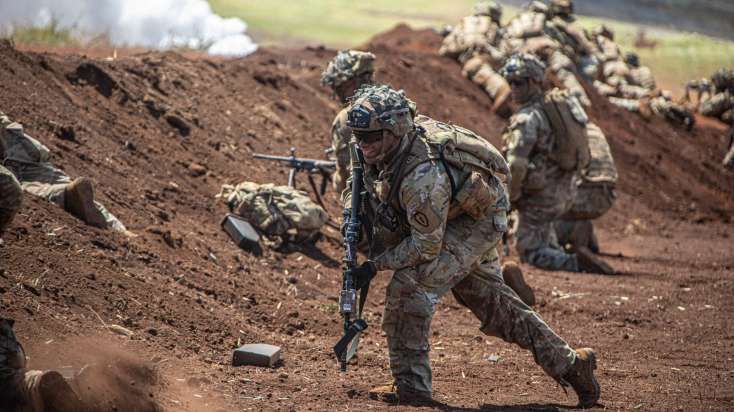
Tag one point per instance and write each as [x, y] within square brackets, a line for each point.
[520, 139]
[425, 195]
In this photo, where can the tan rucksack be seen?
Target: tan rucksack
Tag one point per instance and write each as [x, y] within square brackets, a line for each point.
[568, 121]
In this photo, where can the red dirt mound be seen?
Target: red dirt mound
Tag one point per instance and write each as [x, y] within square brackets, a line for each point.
[159, 133]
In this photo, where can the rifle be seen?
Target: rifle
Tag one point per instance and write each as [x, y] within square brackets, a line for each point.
[299, 164]
[349, 307]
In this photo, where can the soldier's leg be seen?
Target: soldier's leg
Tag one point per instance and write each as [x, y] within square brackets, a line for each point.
[478, 70]
[11, 196]
[537, 244]
[413, 293]
[44, 180]
[503, 314]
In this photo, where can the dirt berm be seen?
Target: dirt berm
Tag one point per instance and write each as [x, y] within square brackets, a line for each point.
[159, 133]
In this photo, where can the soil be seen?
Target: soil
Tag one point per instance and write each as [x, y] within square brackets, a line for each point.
[160, 133]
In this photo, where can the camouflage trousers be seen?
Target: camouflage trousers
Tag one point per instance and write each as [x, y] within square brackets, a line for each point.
[537, 243]
[11, 196]
[592, 201]
[468, 265]
[48, 182]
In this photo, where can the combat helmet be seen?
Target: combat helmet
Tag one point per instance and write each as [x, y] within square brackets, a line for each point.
[488, 8]
[521, 66]
[347, 64]
[632, 59]
[379, 107]
[561, 7]
[723, 79]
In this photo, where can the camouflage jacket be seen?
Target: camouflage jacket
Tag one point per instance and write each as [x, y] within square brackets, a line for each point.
[341, 134]
[642, 76]
[408, 229]
[718, 104]
[528, 142]
[474, 34]
[606, 49]
[17, 146]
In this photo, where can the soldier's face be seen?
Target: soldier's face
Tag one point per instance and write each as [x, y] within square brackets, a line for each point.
[376, 145]
[346, 90]
[521, 90]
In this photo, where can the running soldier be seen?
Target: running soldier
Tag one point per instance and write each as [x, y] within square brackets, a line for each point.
[438, 209]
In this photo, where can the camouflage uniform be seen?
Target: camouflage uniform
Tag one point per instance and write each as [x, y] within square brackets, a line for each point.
[347, 65]
[28, 159]
[431, 254]
[596, 193]
[720, 105]
[11, 196]
[658, 104]
[474, 43]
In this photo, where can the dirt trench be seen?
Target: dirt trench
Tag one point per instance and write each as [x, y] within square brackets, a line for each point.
[161, 132]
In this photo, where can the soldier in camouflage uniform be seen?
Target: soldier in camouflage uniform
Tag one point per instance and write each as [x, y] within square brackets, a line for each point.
[11, 196]
[28, 160]
[721, 104]
[594, 197]
[23, 390]
[541, 189]
[474, 43]
[346, 72]
[657, 103]
[436, 225]
[640, 76]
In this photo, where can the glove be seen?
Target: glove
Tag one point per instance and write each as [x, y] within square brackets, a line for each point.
[364, 274]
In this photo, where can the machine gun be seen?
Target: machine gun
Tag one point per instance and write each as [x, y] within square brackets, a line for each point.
[349, 306]
[311, 166]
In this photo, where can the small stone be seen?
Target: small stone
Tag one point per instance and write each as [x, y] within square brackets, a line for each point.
[120, 330]
[292, 280]
[257, 354]
[283, 375]
[493, 358]
[196, 170]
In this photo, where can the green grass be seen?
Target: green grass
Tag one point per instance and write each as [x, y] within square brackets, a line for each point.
[678, 57]
[51, 35]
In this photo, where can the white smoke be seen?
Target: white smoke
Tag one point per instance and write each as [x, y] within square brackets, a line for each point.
[157, 24]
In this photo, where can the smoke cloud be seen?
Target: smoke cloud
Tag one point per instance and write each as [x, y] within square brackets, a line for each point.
[159, 24]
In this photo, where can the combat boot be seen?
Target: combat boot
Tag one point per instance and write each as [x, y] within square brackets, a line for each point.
[589, 263]
[79, 201]
[512, 275]
[581, 378]
[391, 393]
[385, 393]
[49, 391]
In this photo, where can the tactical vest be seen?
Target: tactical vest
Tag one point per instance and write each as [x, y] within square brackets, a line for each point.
[568, 120]
[474, 167]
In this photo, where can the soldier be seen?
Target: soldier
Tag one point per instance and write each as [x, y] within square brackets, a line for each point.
[474, 43]
[11, 196]
[721, 104]
[595, 195]
[23, 390]
[576, 43]
[658, 103]
[545, 165]
[639, 75]
[438, 209]
[346, 72]
[28, 160]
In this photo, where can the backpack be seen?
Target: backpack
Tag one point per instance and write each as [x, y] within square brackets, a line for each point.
[568, 120]
[478, 160]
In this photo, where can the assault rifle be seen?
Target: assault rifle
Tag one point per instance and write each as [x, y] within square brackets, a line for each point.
[311, 166]
[349, 306]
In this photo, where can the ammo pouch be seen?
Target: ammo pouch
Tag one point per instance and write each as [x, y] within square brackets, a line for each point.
[476, 197]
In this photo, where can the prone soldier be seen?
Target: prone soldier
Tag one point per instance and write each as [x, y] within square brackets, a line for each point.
[438, 209]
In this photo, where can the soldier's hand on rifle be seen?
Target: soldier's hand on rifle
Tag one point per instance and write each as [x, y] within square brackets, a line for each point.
[364, 274]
